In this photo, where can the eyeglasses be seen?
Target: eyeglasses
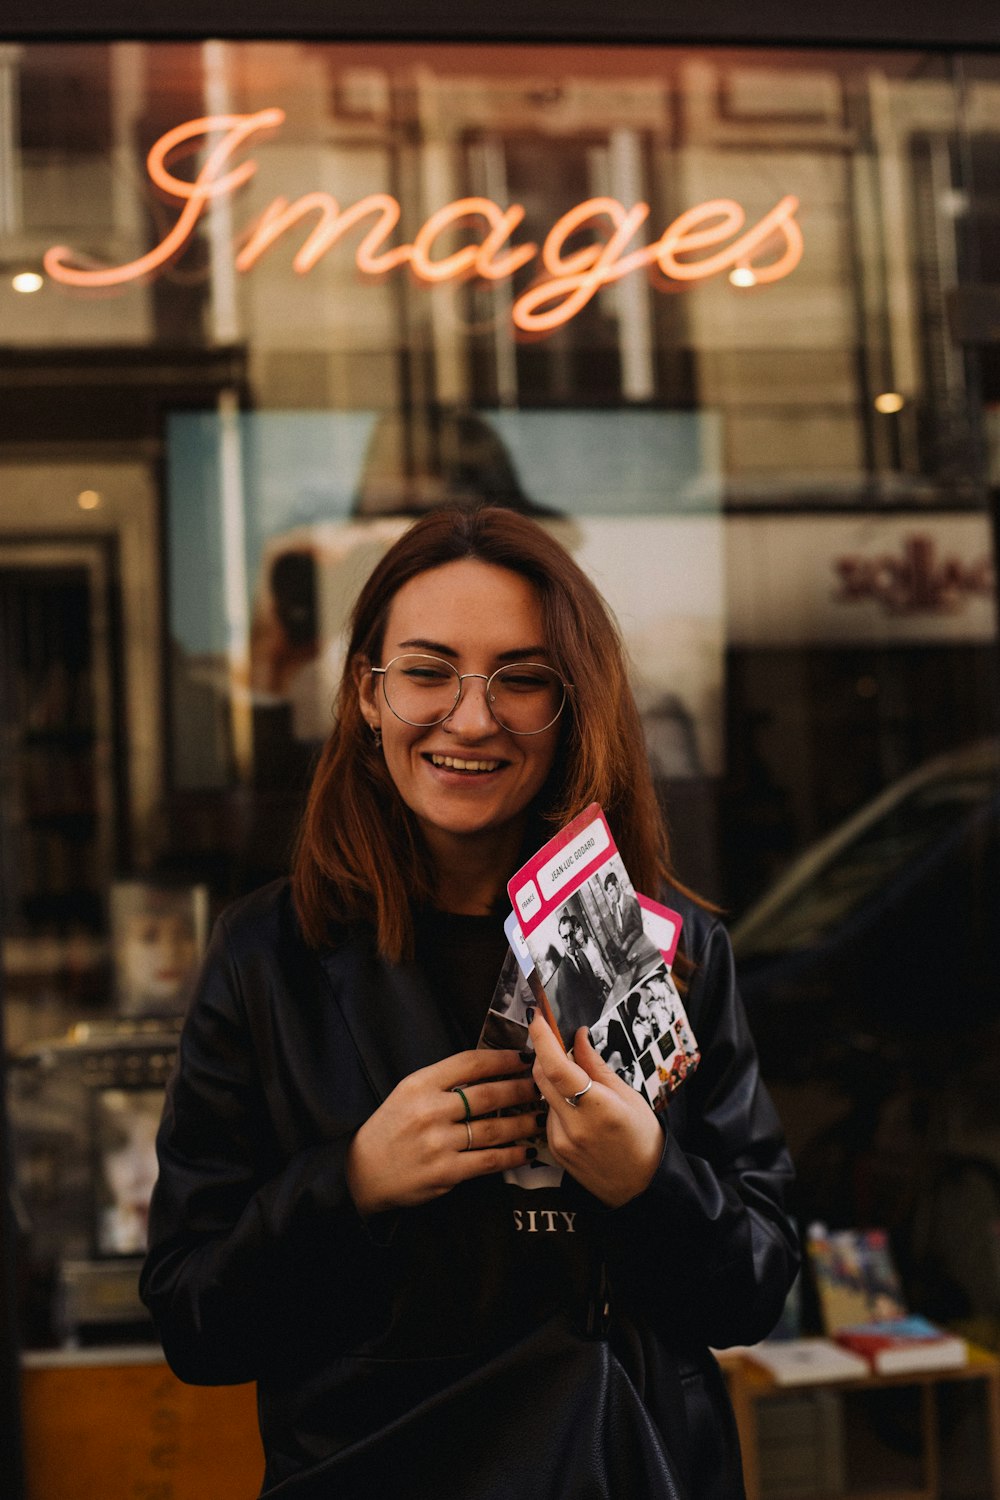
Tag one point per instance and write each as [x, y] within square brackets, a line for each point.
[525, 697]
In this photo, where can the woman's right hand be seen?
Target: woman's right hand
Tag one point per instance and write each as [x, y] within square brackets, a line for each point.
[417, 1145]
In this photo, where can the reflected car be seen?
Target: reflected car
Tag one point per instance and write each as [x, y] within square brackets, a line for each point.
[888, 927]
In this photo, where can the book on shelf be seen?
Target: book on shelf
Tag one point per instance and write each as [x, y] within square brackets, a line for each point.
[855, 1275]
[896, 1346]
[807, 1361]
[863, 1308]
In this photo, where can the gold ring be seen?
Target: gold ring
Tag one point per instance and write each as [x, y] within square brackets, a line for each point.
[468, 1128]
[461, 1095]
[571, 1099]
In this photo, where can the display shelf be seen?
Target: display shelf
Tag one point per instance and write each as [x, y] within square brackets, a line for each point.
[752, 1389]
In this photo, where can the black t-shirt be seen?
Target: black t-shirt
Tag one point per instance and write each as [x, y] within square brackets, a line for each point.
[534, 1236]
[461, 957]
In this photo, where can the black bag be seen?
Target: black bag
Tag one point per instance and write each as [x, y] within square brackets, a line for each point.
[553, 1417]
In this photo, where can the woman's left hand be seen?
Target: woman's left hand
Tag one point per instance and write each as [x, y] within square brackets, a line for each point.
[610, 1141]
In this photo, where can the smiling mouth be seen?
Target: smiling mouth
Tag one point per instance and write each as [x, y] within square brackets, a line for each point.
[455, 763]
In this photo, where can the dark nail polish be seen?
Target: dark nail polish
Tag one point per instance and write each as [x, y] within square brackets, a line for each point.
[541, 1121]
[530, 1152]
[590, 1036]
[527, 1055]
[529, 1011]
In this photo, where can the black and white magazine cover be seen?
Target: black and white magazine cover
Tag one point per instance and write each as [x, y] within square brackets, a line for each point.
[601, 955]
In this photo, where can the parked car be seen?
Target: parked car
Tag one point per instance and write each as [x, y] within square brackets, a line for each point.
[888, 927]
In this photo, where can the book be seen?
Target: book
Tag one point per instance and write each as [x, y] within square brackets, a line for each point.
[895, 1346]
[807, 1361]
[855, 1274]
[863, 1309]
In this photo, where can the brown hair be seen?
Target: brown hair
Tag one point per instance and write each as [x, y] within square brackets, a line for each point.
[360, 855]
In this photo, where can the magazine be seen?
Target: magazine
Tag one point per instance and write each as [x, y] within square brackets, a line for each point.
[506, 1023]
[599, 956]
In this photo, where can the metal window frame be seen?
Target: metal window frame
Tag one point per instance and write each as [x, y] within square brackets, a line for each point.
[853, 23]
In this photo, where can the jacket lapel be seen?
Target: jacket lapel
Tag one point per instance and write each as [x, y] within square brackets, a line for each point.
[388, 1010]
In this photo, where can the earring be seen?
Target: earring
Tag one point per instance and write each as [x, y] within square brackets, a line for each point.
[377, 736]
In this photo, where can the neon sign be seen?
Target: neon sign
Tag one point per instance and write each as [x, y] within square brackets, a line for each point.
[567, 278]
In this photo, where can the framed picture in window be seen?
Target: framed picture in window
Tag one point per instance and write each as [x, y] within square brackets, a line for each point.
[158, 935]
[125, 1125]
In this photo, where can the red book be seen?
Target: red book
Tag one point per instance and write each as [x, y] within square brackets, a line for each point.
[896, 1346]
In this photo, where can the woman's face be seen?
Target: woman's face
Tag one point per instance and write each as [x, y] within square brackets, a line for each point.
[467, 777]
[160, 952]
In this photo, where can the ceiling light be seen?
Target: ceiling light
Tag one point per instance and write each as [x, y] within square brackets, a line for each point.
[27, 281]
[889, 401]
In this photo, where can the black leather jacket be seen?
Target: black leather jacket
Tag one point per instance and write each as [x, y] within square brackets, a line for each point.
[437, 1349]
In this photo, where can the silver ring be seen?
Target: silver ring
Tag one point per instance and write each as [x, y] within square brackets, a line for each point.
[468, 1131]
[571, 1099]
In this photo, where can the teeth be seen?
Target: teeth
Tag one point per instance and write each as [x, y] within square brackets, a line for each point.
[454, 764]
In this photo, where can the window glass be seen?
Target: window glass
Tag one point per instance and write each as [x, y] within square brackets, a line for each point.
[725, 320]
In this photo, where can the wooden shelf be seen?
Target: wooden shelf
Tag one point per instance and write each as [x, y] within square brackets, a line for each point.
[751, 1386]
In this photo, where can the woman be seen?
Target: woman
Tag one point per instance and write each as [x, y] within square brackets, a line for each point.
[342, 1212]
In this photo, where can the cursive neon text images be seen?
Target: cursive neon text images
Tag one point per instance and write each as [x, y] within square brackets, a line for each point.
[701, 242]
